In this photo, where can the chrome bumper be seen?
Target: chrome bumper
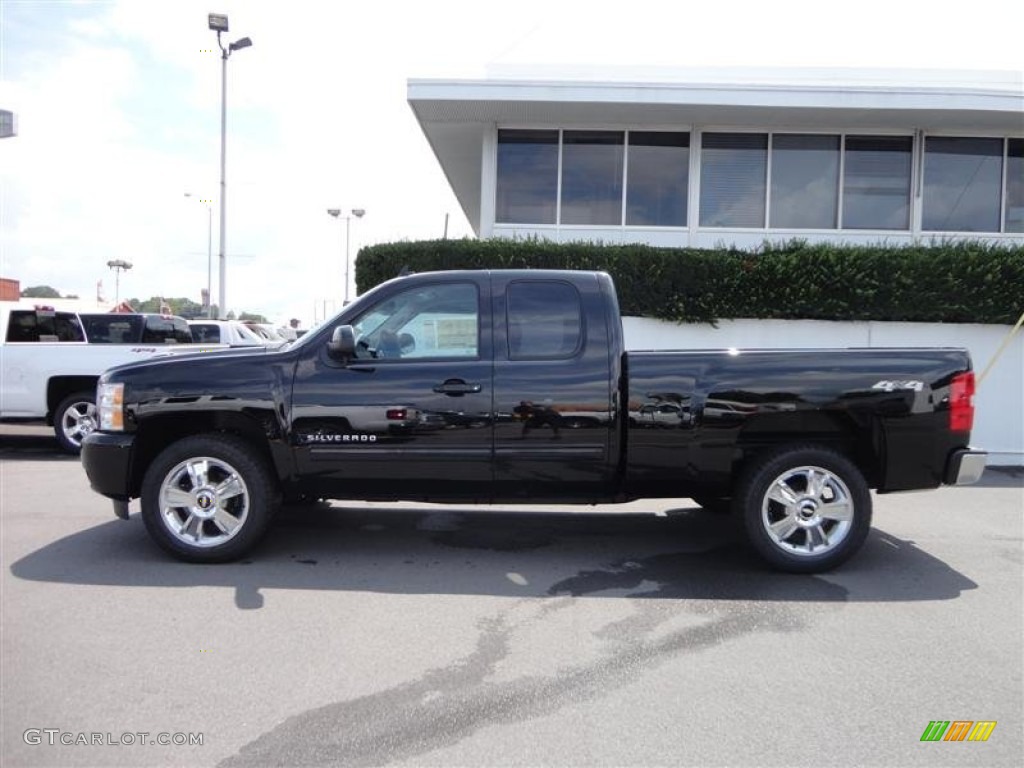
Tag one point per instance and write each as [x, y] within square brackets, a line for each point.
[965, 466]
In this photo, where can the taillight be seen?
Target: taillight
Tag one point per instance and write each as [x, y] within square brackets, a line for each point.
[961, 402]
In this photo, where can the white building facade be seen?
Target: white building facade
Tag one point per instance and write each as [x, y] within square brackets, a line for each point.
[735, 158]
[708, 159]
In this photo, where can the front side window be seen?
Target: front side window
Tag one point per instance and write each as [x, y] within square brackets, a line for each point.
[876, 182]
[658, 178]
[805, 182]
[592, 164]
[734, 168]
[962, 182]
[545, 320]
[527, 177]
[430, 321]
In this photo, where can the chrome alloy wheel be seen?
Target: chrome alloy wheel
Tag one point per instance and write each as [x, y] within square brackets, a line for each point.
[204, 502]
[78, 421]
[807, 511]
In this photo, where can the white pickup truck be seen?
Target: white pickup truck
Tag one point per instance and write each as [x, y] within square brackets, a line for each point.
[48, 369]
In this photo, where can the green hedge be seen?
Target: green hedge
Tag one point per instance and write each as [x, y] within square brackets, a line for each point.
[952, 283]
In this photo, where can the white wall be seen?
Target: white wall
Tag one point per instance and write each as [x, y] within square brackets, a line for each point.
[999, 419]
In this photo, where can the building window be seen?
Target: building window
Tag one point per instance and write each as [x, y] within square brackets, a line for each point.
[775, 181]
[527, 177]
[733, 175]
[545, 320]
[1014, 185]
[805, 182]
[657, 179]
[592, 163]
[876, 182]
[962, 182]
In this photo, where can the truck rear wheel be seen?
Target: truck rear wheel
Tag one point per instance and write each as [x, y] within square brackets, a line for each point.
[208, 498]
[805, 509]
[74, 419]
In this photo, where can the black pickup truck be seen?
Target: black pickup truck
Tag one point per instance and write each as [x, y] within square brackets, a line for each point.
[513, 386]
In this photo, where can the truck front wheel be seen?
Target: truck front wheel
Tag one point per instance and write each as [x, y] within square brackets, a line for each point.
[805, 509]
[74, 418]
[208, 498]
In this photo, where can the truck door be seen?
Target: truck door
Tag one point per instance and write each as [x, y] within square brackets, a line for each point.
[554, 398]
[412, 415]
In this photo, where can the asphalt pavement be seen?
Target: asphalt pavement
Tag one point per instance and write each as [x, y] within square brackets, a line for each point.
[421, 635]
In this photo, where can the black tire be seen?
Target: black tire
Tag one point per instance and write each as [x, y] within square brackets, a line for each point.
[73, 420]
[806, 509]
[225, 502]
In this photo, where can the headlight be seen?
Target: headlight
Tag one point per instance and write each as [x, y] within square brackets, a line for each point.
[110, 403]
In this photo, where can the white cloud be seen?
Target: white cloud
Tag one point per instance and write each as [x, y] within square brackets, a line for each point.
[119, 116]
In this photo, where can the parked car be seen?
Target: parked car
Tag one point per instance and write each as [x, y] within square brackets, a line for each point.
[231, 332]
[269, 333]
[49, 369]
[211, 444]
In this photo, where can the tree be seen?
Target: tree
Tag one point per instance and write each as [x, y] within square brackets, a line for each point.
[41, 292]
[181, 306]
[188, 309]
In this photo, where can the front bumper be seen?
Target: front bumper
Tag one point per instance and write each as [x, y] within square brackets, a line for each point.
[107, 459]
[965, 466]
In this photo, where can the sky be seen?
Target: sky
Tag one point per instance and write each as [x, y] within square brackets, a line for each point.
[118, 109]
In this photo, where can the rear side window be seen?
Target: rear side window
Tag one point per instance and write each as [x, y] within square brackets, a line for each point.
[43, 325]
[112, 328]
[166, 330]
[545, 320]
[205, 333]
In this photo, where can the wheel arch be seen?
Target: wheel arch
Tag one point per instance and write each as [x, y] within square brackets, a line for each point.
[59, 387]
[855, 436]
[157, 432]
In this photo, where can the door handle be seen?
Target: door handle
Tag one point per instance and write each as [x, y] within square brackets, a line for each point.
[457, 388]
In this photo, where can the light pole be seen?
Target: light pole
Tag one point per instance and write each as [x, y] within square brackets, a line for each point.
[218, 22]
[209, 254]
[336, 213]
[119, 266]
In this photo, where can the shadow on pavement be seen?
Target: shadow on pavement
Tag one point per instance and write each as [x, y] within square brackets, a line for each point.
[36, 444]
[1001, 477]
[686, 554]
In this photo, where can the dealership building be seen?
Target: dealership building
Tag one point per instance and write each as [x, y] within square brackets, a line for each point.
[704, 158]
[711, 158]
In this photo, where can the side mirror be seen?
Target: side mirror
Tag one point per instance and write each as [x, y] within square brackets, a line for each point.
[342, 346]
